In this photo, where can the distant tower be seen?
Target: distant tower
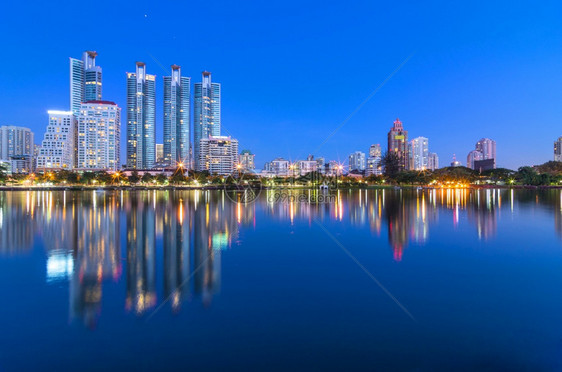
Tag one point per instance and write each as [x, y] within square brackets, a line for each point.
[558, 150]
[176, 117]
[398, 143]
[455, 162]
[141, 118]
[207, 113]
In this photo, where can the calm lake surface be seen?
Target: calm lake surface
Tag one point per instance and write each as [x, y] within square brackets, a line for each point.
[372, 280]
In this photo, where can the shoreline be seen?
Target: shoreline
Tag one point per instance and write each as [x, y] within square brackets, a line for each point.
[233, 188]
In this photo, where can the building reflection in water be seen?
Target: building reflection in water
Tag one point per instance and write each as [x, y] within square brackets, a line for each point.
[82, 232]
[141, 253]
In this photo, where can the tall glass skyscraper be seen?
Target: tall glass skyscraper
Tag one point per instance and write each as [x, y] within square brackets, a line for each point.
[85, 81]
[141, 118]
[176, 117]
[207, 114]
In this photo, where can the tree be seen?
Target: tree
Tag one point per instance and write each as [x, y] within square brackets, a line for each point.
[3, 173]
[134, 178]
[161, 179]
[177, 178]
[147, 178]
[87, 177]
[104, 178]
[391, 164]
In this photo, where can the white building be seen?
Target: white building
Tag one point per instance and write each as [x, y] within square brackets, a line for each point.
[419, 154]
[433, 161]
[99, 136]
[15, 141]
[58, 146]
[357, 161]
[558, 150]
[218, 155]
[303, 167]
[278, 167]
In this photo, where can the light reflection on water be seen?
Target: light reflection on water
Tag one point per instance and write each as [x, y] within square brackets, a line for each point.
[166, 246]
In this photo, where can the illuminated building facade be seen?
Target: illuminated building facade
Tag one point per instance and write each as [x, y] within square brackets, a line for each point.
[218, 154]
[207, 113]
[58, 146]
[373, 166]
[141, 118]
[419, 154]
[398, 143]
[15, 141]
[357, 161]
[177, 108]
[99, 136]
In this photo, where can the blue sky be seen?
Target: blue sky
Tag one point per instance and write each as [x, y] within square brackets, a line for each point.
[293, 71]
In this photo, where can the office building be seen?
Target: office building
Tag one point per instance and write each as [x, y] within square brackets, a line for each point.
[558, 150]
[176, 118]
[85, 81]
[357, 161]
[247, 161]
[218, 155]
[99, 136]
[15, 141]
[58, 146]
[207, 113]
[141, 118]
[398, 143]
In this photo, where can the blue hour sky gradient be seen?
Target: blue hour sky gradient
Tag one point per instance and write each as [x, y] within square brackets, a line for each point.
[293, 71]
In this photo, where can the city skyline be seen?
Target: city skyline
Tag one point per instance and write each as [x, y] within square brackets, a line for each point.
[503, 73]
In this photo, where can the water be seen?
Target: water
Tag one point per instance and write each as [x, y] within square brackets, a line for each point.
[379, 279]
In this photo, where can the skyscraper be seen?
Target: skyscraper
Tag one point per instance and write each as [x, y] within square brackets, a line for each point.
[558, 150]
[398, 143]
[141, 118]
[207, 113]
[15, 141]
[419, 153]
[176, 117]
[85, 81]
[357, 161]
[99, 136]
[58, 146]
